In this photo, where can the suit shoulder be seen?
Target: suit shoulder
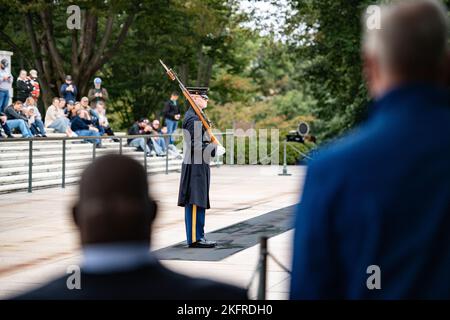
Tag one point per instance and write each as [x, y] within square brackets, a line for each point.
[53, 290]
[356, 147]
[220, 291]
[205, 289]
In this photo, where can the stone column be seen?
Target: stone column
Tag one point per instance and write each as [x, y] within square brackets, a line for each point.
[7, 55]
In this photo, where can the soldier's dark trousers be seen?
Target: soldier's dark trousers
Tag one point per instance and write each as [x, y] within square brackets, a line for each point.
[194, 219]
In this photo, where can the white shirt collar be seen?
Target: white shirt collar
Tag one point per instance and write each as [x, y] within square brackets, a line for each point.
[115, 257]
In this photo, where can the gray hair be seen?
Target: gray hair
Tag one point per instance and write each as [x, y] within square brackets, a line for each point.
[412, 38]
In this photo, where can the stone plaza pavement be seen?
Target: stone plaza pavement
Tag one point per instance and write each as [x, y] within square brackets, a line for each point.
[38, 240]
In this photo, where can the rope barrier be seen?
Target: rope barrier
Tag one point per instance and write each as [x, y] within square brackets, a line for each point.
[300, 152]
[285, 269]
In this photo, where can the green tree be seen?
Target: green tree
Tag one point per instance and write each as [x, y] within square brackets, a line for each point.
[329, 64]
[57, 51]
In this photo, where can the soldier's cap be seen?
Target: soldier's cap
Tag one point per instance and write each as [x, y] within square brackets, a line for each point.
[201, 91]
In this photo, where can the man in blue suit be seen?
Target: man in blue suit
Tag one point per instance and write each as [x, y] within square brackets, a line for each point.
[374, 220]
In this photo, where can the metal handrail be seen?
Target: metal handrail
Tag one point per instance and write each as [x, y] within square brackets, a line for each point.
[100, 137]
[94, 153]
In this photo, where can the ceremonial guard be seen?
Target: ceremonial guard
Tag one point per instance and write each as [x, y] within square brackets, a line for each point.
[195, 172]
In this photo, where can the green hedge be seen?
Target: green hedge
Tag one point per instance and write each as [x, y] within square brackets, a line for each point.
[292, 152]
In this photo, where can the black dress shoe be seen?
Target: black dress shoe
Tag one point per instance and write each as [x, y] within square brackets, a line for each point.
[203, 243]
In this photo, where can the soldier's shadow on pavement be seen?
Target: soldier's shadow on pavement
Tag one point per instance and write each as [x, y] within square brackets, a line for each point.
[234, 238]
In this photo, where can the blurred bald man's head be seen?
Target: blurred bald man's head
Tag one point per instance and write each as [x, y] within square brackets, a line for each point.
[114, 203]
[411, 45]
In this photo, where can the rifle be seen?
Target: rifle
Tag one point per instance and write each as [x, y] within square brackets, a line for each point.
[203, 118]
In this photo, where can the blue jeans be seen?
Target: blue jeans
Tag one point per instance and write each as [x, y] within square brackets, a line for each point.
[60, 125]
[38, 127]
[89, 133]
[159, 145]
[5, 129]
[4, 99]
[21, 125]
[172, 125]
[194, 219]
[140, 143]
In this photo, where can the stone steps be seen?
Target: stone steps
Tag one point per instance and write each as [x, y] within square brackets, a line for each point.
[88, 151]
[46, 146]
[56, 173]
[72, 177]
[47, 162]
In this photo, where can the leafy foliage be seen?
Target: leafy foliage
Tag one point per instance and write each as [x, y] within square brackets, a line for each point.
[332, 68]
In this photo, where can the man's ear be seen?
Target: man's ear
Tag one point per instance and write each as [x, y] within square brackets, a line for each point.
[153, 210]
[367, 67]
[447, 69]
[371, 73]
[75, 215]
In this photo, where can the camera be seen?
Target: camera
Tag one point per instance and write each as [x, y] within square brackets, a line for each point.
[299, 134]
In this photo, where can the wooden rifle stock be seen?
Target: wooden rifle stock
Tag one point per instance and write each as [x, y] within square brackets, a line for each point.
[206, 124]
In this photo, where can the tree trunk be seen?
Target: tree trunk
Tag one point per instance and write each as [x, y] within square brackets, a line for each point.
[47, 23]
[208, 71]
[40, 65]
[85, 59]
[204, 70]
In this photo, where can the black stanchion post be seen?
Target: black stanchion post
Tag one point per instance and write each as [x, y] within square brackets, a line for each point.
[120, 146]
[93, 151]
[285, 172]
[167, 160]
[145, 154]
[30, 166]
[263, 269]
[63, 183]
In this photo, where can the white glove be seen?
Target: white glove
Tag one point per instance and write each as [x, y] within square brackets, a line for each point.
[220, 151]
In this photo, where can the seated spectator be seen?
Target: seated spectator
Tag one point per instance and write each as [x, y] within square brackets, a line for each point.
[63, 105]
[34, 117]
[85, 103]
[82, 126]
[114, 215]
[69, 107]
[56, 119]
[158, 142]
[74, 110]
[97, 94]
[4, 126]
[374, 219]
[156, 132]
[17, 120]
[69, 90]
[171, 149]
[24, 86]
[103, 120]
[140, 127]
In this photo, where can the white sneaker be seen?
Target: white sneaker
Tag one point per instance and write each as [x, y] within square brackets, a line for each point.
[172, 148]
